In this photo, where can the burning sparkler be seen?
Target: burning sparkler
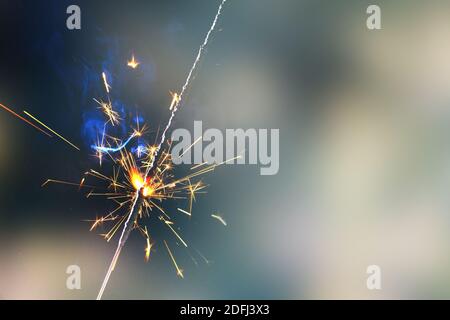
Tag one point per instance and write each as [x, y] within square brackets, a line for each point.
[141, 183]
[137, 198]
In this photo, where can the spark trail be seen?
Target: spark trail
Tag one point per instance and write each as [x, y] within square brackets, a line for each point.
[25, 120]
[128, 226]
[51, 130]
[116, 149]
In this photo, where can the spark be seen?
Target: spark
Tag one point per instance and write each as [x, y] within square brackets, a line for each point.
[215, 216]
[51, 130]
[25, 120]
[82, 182]
[169, 224]
[189, 148]
[207, 261]
[64, 182]
[184, 211]
[149, 245]
[133, 63]
[140, 150]
[179, 271]
[175, 100]
[147, 182]
[106, 107]
[105, 82]
[116, 149]
[229, 160]
[199, 165]
[101, 220]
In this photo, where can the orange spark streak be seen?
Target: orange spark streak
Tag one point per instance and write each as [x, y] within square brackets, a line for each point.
[23, 119]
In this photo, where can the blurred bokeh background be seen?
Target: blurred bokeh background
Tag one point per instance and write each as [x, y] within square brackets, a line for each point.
[364, 158]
